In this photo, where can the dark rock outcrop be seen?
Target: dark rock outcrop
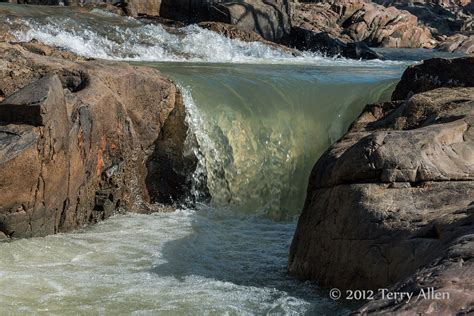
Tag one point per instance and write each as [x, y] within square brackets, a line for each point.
[326, 44]
[435, 73]
[392, 201]
[79, 140]
[268, 18]
[234, 32]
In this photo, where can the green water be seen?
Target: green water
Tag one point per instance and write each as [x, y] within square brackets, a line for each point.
[261, 128]
[259, 119]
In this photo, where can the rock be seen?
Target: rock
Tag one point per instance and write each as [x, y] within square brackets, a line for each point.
[323, 42]
[390, 204]
[457, 43]
[362, 21]
[80, 139]
[449, 278]
[233, 32]
[142, 7]
[268, 18]
[435, 73]
[442, 17]
[36, 104]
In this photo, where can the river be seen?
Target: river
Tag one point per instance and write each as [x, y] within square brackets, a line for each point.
[261, 118]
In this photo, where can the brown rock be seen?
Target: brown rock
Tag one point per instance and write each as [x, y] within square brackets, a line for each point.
[77, 139]
[142, 7]
[445, 287]
[457, 43]
[234, 32]
[392, 202]
[359, 20]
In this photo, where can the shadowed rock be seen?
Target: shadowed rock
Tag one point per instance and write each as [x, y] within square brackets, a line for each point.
[435, 73]
[36, 104]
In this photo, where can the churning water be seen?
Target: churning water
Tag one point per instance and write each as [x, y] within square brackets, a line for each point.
[261, 117]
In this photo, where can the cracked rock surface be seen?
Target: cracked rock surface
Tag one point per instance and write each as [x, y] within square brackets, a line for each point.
[82, 139]
[392, 202]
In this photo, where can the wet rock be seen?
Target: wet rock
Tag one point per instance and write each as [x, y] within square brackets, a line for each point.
[435, 73]
[390, 204]
[76, 138]
[234, 32]
[442, 17]
[326, 44]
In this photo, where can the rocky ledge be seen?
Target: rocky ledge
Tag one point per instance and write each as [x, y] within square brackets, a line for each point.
[81, 139]
[391, 203]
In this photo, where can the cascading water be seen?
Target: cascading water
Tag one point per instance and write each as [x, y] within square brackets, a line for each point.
[256, 126]
[260, 125]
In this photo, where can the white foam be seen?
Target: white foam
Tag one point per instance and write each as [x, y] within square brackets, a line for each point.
[132, 40]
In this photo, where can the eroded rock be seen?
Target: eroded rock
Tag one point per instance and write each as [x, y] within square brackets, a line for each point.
[392, 200]
[353, 21]
[77, 138]
[435, 73]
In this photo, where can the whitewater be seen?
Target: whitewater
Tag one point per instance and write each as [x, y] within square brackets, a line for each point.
[261, 117]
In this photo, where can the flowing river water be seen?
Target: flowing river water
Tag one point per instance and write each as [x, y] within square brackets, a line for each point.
[261, 118]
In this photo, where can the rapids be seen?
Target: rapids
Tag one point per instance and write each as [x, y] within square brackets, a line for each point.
[261, 118]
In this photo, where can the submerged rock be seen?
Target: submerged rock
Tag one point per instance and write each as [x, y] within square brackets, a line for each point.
[79, 140]
[392, 200]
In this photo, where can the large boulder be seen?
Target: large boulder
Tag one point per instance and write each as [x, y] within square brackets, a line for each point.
[269, 18]
[392, 202]
[435, 73]
[80, 140]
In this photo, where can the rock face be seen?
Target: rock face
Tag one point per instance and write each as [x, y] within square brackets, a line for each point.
[234, 32]
[392, 200]
[269, 18]
[435, 73]
[362, 21]
[457, 43]
[81, 139]
[442, 17]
